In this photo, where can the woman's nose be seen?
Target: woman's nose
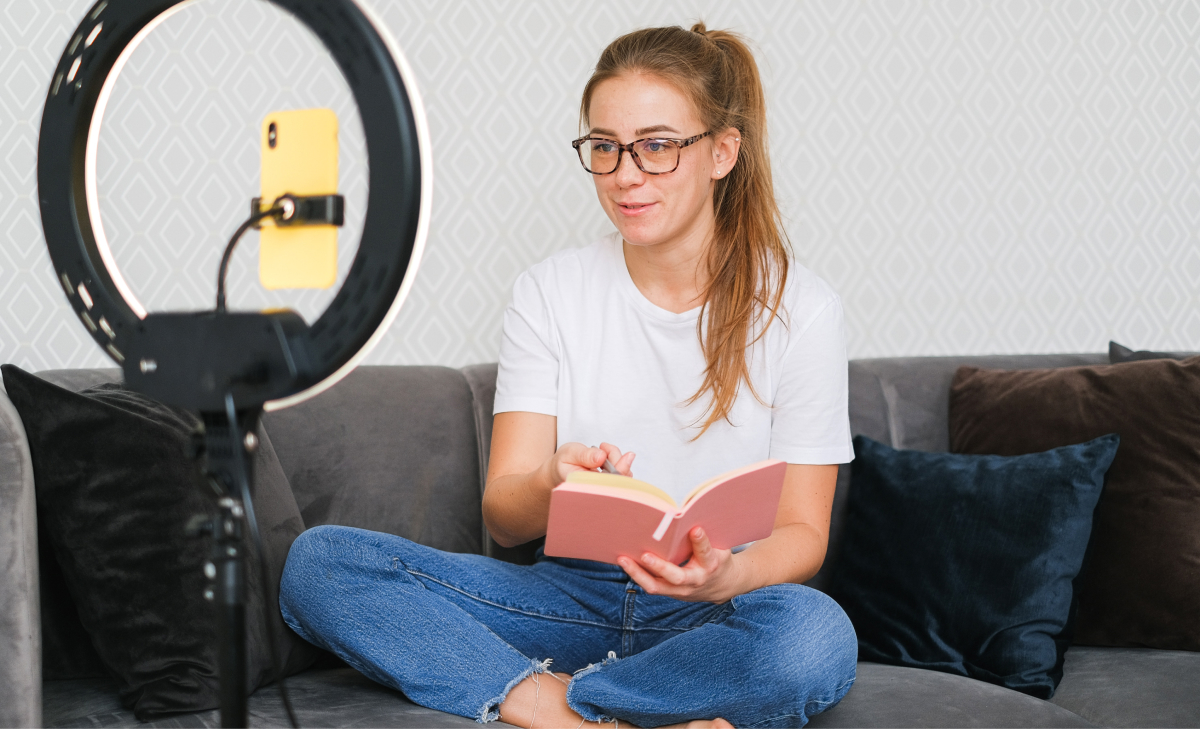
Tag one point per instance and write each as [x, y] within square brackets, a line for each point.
[627, 172]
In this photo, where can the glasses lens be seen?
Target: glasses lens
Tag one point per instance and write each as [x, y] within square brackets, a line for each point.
[657, 155]
[599, 155]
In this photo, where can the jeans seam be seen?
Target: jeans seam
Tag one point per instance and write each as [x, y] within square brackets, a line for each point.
[460, 591]
[627, 622]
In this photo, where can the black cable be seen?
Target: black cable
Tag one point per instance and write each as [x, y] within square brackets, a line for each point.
[273, 211]
[269, 598]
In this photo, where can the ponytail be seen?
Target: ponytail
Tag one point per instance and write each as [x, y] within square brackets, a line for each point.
[748, 258]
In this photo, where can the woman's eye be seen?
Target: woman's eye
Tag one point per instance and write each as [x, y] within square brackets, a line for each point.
[604, 147]
[655, 146]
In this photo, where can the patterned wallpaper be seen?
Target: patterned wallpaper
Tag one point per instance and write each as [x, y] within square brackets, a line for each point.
[972, 176]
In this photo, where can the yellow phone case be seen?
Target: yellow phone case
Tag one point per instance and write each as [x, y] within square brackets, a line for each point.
[303, 161]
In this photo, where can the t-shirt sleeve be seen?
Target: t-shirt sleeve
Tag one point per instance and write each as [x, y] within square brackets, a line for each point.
[527, 377]
[810, 421]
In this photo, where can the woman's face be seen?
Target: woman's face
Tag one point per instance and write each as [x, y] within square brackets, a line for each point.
[651, 210]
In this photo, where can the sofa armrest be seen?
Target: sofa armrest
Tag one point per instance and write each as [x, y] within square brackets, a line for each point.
[20, 620]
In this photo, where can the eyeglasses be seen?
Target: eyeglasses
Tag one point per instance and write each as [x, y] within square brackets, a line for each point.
[654, 155]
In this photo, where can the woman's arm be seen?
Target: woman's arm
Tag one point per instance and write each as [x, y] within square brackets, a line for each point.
[793, 553]
[524, 468]
[796, 548]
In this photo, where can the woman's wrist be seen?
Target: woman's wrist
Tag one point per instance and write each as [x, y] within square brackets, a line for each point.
[742, 576]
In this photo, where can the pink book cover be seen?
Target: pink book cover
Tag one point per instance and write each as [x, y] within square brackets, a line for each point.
[601, 522]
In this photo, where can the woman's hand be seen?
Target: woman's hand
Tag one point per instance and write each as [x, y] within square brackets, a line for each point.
[711, 575]
[571, 457]
[525, 467]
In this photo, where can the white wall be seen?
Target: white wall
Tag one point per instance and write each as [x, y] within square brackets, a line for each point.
[971, 176]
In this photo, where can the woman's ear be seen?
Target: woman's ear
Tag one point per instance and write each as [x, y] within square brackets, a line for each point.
[725, 152]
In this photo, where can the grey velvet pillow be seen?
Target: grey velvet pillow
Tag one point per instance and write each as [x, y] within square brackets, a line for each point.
[114, 491]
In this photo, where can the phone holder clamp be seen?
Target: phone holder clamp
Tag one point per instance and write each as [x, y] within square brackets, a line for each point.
[302, 210]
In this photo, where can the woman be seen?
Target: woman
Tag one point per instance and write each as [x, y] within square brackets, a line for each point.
[688, 336]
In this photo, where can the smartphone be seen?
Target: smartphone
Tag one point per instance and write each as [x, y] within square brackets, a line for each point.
[300, 156]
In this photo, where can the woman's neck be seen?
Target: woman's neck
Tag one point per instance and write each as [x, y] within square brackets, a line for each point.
[674, 274]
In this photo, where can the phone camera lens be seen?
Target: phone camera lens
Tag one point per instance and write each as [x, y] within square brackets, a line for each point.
[272, 135]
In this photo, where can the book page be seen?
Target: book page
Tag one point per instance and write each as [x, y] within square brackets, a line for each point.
[738, 507]
[595, 478]
[727, 476]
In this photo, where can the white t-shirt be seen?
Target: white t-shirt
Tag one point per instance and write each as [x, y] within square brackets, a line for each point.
[583, 344]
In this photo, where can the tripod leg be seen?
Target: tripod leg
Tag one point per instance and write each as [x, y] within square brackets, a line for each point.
[227, 465]
[231, 618]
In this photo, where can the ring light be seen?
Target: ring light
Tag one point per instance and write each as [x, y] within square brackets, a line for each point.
[230, 366]
[269, 360]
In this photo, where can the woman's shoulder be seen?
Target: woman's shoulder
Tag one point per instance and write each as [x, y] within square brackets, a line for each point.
[807, 296]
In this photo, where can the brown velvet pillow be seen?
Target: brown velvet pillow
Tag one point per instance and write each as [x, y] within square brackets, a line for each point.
[1141, 583]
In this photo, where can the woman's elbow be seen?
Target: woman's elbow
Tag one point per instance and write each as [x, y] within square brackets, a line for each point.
[494, 526]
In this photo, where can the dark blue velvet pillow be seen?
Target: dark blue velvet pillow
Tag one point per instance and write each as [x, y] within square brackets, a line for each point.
[965, 563]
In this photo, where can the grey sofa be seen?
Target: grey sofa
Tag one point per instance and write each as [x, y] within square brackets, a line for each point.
[404, 449]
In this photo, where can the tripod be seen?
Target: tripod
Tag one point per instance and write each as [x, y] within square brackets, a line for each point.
[221, 449]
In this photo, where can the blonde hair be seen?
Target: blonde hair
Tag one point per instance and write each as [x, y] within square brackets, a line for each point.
[749, 254]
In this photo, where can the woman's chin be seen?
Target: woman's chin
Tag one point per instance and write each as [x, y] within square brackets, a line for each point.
[640, 235]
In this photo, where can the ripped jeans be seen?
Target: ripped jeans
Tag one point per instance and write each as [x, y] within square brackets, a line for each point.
[456, 632]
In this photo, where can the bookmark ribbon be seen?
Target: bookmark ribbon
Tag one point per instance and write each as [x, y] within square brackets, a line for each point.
[662, 526]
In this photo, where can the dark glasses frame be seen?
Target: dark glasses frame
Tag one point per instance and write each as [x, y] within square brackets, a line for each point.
[623, 148]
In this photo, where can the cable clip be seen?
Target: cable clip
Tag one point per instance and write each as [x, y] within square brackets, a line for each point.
[301, 210]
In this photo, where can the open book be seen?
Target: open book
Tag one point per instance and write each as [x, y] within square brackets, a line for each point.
[601, 516]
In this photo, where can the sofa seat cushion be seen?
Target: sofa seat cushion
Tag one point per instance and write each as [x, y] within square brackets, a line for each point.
[1132, 687]
[320, 697]
[896, 696]
[883, 696]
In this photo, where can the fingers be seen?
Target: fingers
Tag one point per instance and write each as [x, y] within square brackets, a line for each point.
[702, 549]
[623, 462]
[610, 450]
[581, 456]
[643, 578]
[663, 570]
[572, 457]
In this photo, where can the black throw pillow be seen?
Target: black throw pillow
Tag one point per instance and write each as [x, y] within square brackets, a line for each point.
[964, 564]
[114, 492]
[1118, 353]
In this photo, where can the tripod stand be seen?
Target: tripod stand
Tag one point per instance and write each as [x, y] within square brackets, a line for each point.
[222, 449]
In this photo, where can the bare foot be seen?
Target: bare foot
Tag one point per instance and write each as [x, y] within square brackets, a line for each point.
[541, 701]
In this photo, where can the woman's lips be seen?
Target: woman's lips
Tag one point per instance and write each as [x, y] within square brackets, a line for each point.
[634, 209]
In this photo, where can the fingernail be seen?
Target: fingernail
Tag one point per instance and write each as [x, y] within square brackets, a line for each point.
[648, 558]
[699, 533]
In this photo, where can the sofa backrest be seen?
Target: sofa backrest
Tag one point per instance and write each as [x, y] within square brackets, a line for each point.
[905, 401]
[392, 449]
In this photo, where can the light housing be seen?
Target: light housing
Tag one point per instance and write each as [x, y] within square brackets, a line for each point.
[270, 360]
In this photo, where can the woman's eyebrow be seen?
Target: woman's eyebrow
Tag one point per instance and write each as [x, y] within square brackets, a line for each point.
[657, 128]
[639, 132]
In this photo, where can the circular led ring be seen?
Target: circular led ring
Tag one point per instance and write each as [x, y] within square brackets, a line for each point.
[398, 204]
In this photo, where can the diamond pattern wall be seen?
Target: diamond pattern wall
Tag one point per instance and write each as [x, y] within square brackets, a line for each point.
[972, 176]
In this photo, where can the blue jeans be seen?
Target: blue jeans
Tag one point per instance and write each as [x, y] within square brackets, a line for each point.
[456, 632]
